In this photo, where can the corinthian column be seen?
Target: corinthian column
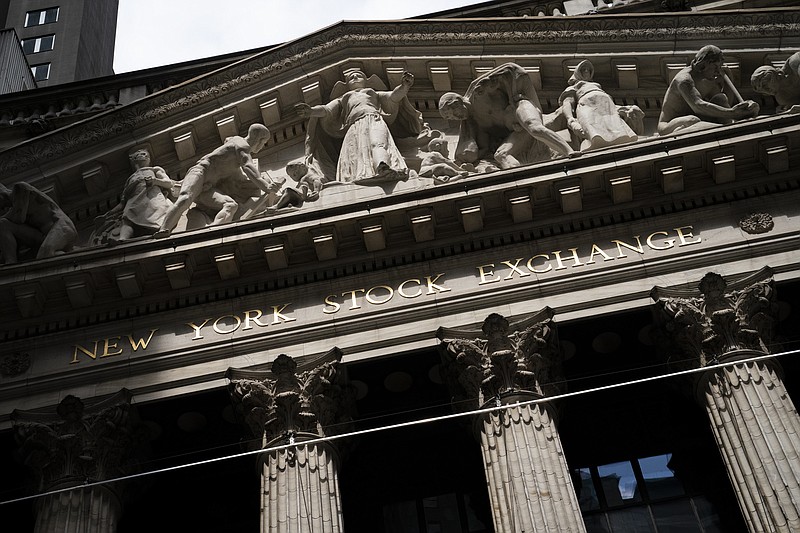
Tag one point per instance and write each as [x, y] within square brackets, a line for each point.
[754, 421]
[288, 405]
[505, 364]
[74, 444]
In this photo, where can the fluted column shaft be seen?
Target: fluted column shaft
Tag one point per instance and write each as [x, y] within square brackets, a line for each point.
[505, 364]
[299, 490]
[529, 483]
[93, 509]
[755, 423]
[757, 429]
[288, 406]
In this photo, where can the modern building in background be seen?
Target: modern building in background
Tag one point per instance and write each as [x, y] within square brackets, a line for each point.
[606, 342]
[64, 42]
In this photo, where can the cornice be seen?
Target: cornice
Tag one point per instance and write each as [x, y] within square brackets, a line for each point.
[665, 32]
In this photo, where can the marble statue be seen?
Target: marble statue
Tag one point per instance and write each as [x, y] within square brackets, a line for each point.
[219, 180]
[501, 118]
[783, 83]
[144, 203]
[700, 96]
[32, 221]
[354, 138]
[591, 114]
[436, 163]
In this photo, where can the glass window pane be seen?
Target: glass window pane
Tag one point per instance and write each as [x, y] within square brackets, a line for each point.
[596, 523]
[636, 519]
[619, 483]
[28, 46]
[584, 488]
[51, 15]
[441, 514]
[659, 478]
[32, 18]
[47, 43]
[473, 522]
[676, 517]
[401, 517]
[708, 516]
[41, 72]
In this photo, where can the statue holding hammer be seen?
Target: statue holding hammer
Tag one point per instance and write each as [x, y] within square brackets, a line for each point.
[701, 95]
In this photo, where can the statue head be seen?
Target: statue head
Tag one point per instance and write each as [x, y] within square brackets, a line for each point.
[257, 137]
[708, 61]
[140, 158]
[438, 145]
[356, 79]
[453, 106]
[765, 80]
[583, 72]
[296, 169]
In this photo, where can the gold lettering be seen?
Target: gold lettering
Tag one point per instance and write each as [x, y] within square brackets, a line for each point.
[530, 266]
[248, 319]
[620, 244]
[514, 268]
[278, 316]
[378, 302]
[401, 289]
[111, 343]
[353, 298]
[237, 321]
[576, 261]
[334, 306]
[596, 250]
[141, 343]
[683, 236]
[197, 328]
[92, 354]
[670, 242]
[433, 287]
[485, 274]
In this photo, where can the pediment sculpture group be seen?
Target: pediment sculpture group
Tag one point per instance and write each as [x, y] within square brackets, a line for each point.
[368, 134]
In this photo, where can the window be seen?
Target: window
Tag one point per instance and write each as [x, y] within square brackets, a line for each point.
[38, 44]
[41, 16]
[641, 495]
[41, 72]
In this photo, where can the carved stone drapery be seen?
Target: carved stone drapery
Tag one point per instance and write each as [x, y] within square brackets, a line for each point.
[74, 444]
[754, 421]
[299, 484]
[509, 364]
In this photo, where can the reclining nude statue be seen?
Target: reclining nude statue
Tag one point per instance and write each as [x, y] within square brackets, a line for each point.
[593, 117]
[354, 138]
[30, 219]
[700, 96]
[782, 83]
[501, 119]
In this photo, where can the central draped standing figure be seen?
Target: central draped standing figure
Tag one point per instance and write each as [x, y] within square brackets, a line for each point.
[354, 137]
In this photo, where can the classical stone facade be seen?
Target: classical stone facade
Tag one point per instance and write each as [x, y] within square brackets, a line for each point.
[493, 273]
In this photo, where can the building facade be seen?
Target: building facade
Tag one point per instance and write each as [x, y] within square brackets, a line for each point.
[64, 43]
[566, 316]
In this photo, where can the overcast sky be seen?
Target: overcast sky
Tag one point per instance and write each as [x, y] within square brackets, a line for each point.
[153, 33]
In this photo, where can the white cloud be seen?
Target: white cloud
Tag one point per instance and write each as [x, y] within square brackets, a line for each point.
[161, 32]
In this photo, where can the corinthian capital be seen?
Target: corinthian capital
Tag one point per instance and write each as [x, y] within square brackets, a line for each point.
[79, 441]
[717, 317]
[503, 357]
[312, 397]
